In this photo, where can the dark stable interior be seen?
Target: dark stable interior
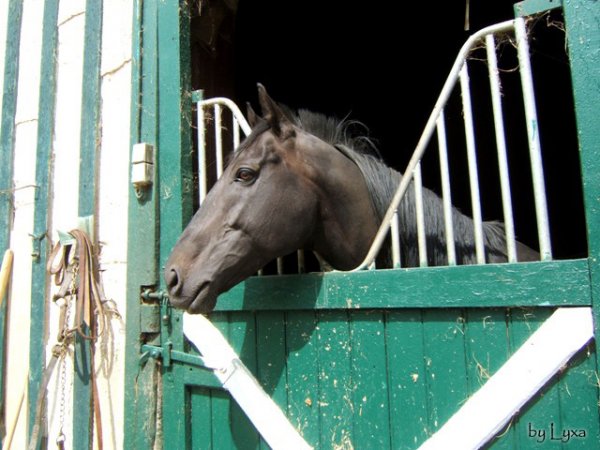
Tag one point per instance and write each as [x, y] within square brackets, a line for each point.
[386, 70]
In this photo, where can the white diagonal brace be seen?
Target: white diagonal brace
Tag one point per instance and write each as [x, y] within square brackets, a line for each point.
[517, 381]
[262, 411]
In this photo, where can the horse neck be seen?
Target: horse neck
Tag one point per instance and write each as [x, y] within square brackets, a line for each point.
[348, 221]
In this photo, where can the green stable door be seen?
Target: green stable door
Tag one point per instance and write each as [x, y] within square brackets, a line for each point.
[375, 359]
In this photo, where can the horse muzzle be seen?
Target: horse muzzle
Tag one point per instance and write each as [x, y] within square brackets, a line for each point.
[195, 299]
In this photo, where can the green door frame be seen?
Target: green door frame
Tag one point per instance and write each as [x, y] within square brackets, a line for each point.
[583, 37]
[161, 94]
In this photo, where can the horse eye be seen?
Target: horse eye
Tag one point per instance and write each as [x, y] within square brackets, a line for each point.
[245, 175]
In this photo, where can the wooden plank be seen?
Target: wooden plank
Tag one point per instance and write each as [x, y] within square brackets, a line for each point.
[7, 137]
[444, 354]
[173, 138]
[223, 433]
[370, 380]
[486, 344]
[583, 41]
[271, 357]
[531, 7]
[7, 118]
[335, 381]
[271, 354]
[302, 373]
[27, 187]
[142, 226]
[523, 323]
[39, 288]
[83, 421]
[174, 132]
[199, 419]
[524, 374]
[242, 337]
[555, 283]
[226, 417]
[487, 349]
[195, 377]
[90, 110]
[578, 391]
[407, 378]
[222, 417]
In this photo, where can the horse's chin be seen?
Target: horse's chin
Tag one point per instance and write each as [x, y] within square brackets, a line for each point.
[203, 305]
[203, 290]
[204, 302]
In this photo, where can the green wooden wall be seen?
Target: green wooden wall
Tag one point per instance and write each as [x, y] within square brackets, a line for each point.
[383, 378]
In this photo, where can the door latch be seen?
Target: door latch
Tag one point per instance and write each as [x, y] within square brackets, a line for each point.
[142, 167]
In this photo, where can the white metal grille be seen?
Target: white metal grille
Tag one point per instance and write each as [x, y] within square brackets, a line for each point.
[459, 74]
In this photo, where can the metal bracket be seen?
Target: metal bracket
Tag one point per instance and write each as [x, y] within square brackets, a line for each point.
[149, 294]
[151, 310]
[168, 356]
[142, 167]
[36, 245]
[164, 351]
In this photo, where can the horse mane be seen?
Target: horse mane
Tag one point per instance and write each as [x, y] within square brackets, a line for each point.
[382, 182]
[343, 134]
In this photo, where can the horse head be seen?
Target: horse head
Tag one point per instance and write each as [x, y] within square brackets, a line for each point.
[283, 189]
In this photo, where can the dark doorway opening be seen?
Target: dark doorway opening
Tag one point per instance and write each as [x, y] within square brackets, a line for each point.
[386, 70]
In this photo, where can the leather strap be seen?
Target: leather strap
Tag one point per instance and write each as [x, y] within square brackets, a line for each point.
[74, 268]
[34, 439]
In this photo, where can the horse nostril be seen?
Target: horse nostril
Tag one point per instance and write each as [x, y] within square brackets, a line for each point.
[172, 278]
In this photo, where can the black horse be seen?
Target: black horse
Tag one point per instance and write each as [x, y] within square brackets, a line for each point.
[304, 181]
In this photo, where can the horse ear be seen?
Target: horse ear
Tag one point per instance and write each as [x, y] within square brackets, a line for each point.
[279, 122]
[253, 118]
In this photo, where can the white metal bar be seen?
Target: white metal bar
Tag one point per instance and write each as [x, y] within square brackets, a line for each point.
[301, 262]
[472, 164]
[446, 191]
[495, 89]
[246, 129]
[395, 242]
[537, 171]
[280, 266]
[236, 132]
[238, 119]
[426, 136]
[263, 412]
[542, 356]
[218, 139]
[203, 179]
[421, 236]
